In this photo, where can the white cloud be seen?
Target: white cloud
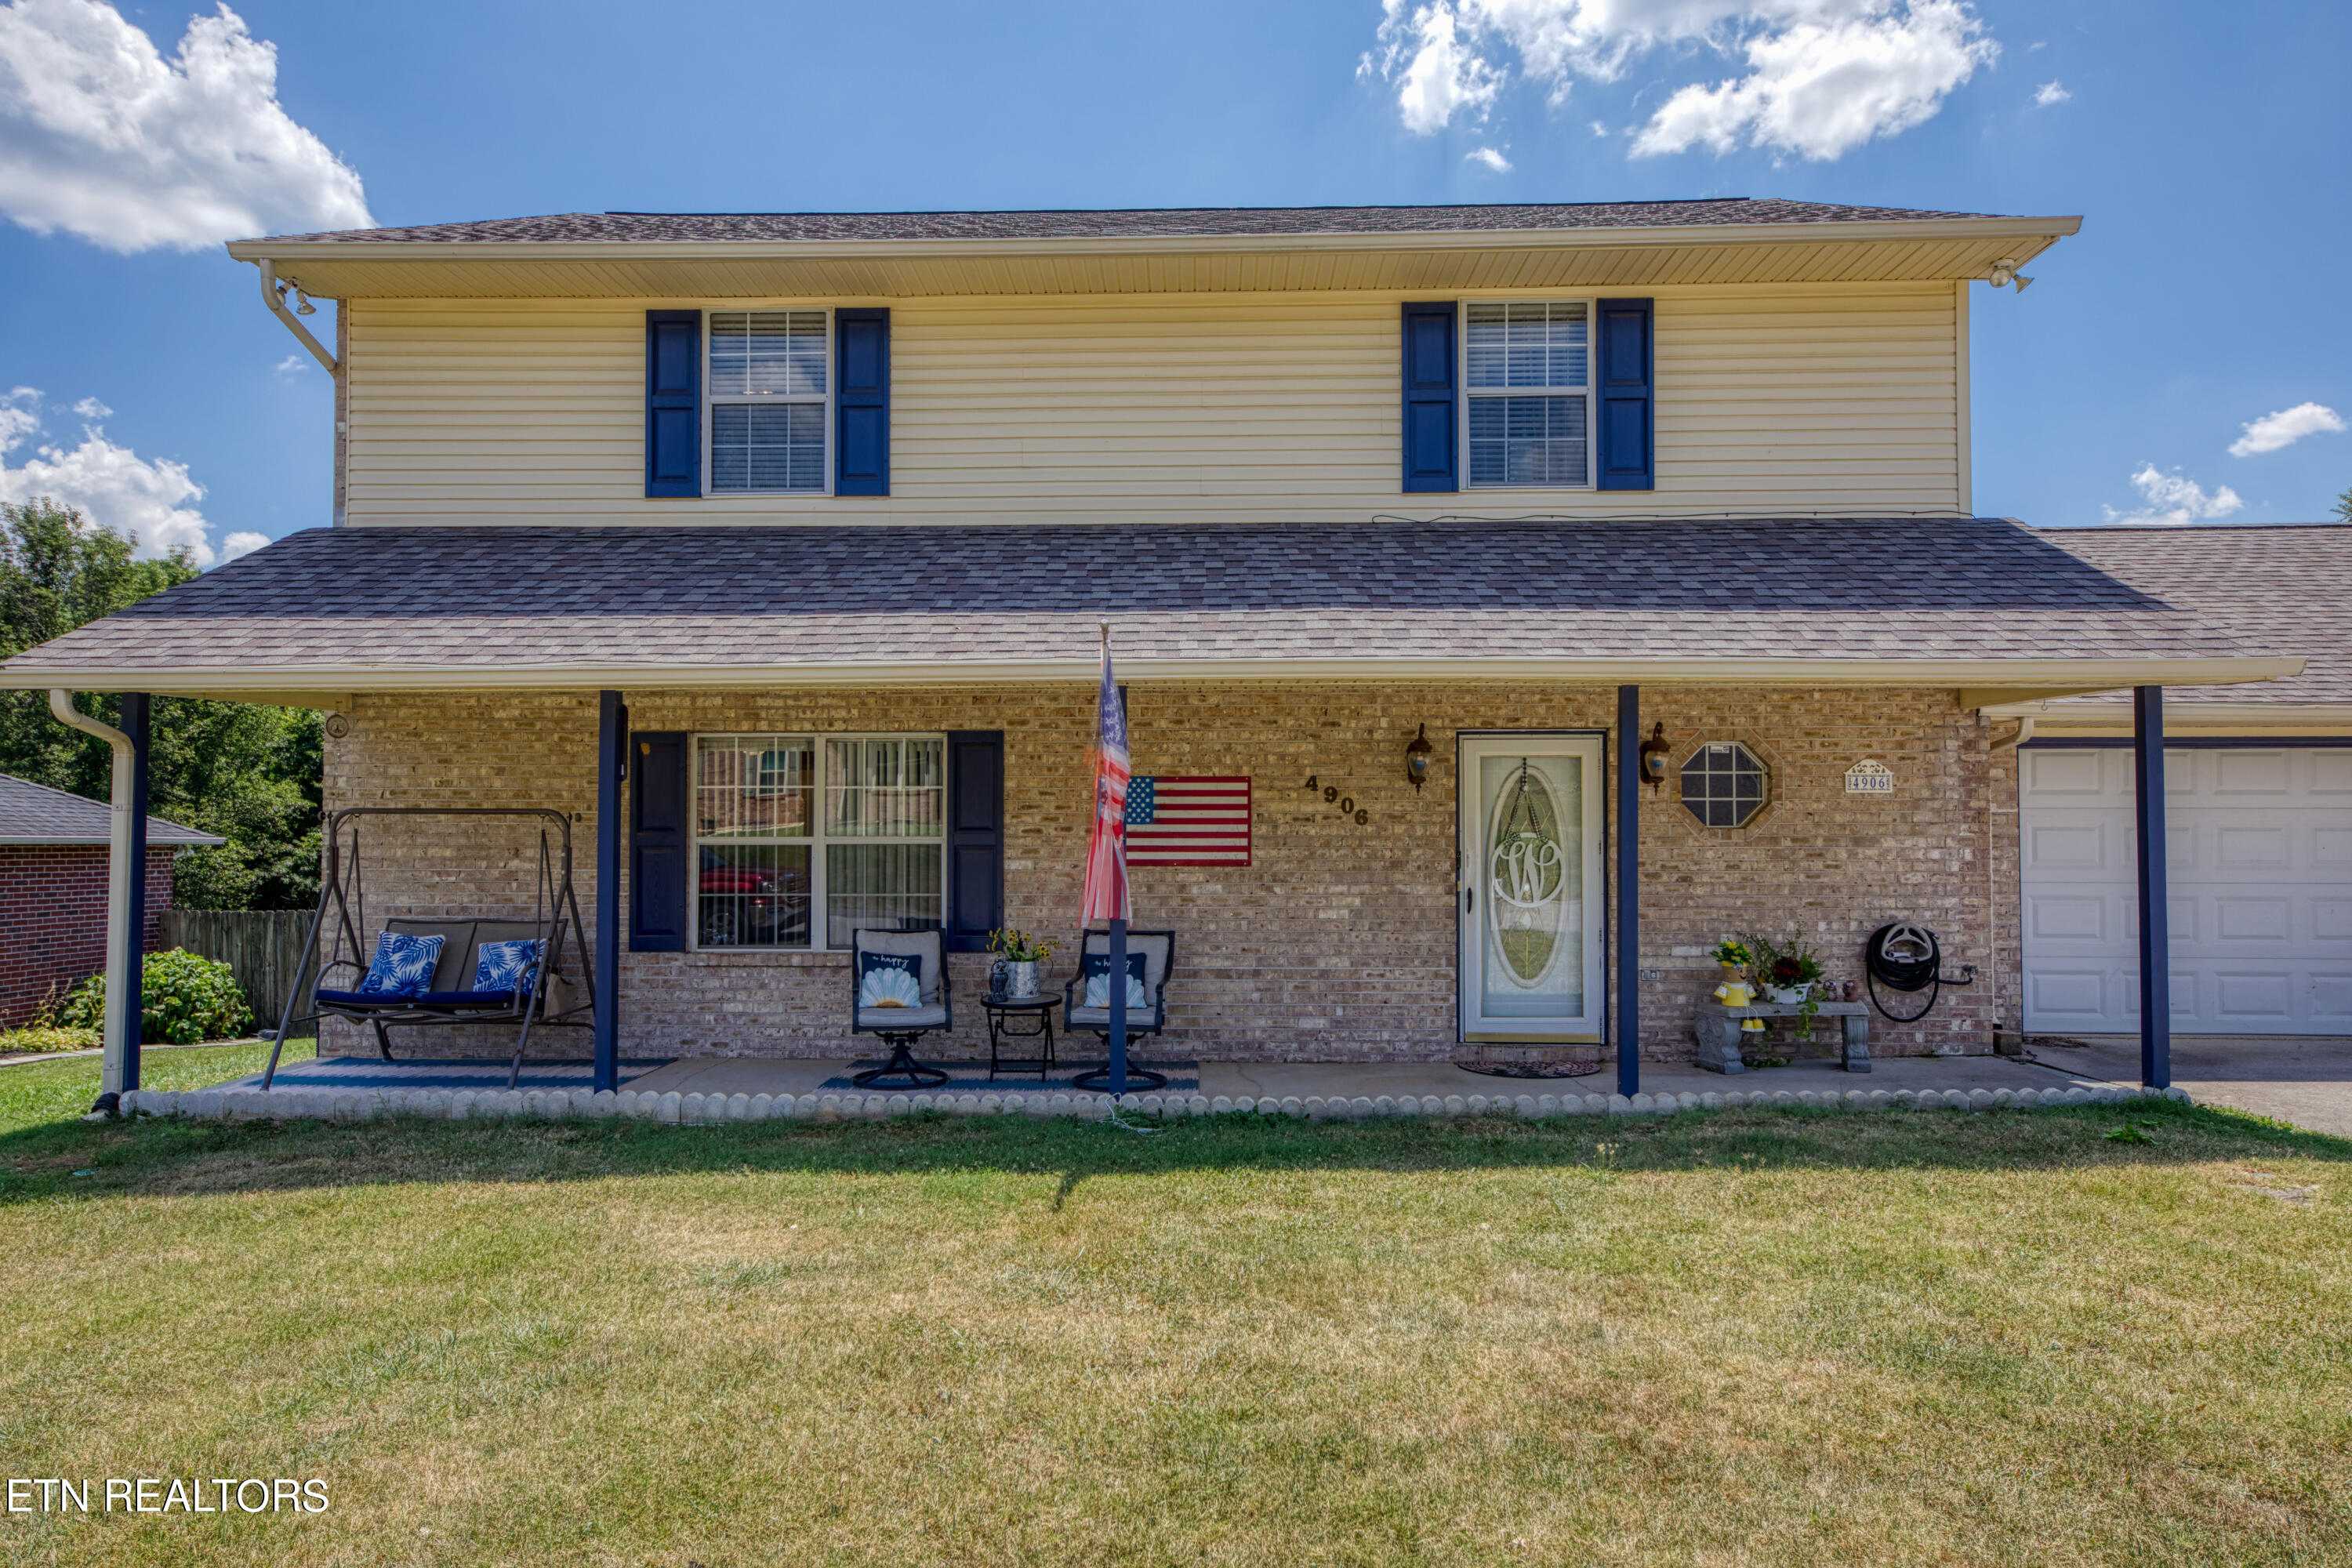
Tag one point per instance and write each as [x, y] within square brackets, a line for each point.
[2174, 498]
[103, 137]
[1822, 76]
[92, 408]
[1440, 74]
[149, 500]
[2285, 428]
[241, 543]
[2048, 93]
[1490, 158]
[294, 364]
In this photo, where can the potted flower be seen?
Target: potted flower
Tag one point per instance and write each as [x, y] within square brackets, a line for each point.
[1735, 955]
[1021, 954]
[1787, 971]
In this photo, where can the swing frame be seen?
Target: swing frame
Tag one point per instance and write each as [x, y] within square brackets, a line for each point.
[549, 996]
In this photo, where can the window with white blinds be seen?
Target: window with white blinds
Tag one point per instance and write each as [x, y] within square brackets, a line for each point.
[770, 384]
[1527, 377]
[801, 840]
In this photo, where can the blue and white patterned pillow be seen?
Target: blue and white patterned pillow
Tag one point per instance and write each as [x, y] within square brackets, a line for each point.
[506, 965]
[404, 965]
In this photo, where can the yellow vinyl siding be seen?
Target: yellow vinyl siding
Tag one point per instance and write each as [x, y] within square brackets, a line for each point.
[1175, 409]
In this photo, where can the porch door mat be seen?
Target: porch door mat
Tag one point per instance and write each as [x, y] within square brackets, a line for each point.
[971, 1077]
[355, 1073]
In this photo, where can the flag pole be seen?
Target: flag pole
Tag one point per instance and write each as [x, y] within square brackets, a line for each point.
[1116, 981]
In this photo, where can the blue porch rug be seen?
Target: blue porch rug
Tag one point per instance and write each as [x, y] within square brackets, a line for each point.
[971, 1077]
[356, 1073]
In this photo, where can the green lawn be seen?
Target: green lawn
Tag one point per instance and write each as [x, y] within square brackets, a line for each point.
[1796, 1338]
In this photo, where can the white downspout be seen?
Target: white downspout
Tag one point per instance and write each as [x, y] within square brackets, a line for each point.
[270, 296]
[2024, 733]
[116, 1038]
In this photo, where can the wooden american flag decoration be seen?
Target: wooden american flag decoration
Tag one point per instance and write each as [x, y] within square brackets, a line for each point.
[1188, 822]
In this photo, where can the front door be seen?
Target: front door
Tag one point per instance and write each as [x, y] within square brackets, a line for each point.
[1530, 893]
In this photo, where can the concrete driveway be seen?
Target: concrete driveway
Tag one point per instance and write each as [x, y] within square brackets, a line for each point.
[2306, 1080]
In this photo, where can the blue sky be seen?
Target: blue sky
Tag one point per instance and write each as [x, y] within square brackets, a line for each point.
[2206, 150]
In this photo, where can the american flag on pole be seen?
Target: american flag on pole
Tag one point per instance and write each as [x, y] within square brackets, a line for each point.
[1188, 822]
[1105, 886]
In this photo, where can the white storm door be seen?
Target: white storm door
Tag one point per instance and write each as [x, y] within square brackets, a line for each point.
[1531, 895]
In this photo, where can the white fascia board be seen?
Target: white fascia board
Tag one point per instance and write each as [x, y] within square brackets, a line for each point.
[2079, 674]
[86, 841]
[2273, 716]
[2044, 230]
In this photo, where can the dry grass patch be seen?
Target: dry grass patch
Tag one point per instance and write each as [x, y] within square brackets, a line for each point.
[1740, 1339]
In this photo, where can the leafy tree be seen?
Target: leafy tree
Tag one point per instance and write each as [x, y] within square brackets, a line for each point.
[249, 774]
[2343, 507]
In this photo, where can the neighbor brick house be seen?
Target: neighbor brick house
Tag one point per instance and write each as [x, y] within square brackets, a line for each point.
[53, 849]
[807, 523]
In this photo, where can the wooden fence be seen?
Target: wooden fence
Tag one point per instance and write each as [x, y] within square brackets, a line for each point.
[264, 947]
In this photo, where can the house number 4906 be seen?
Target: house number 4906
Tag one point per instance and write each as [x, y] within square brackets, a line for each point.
[1346, 802]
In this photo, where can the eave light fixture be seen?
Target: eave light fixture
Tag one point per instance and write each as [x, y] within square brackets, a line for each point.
[2006, 275]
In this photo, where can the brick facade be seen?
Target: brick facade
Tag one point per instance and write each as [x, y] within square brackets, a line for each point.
[53, 918]
[1338, 943]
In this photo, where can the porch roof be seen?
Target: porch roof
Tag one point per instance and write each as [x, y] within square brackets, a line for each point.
[2292, 580]
[1962, 602]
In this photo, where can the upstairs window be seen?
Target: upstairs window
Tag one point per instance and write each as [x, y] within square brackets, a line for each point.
[1527, 370]
[771, 384]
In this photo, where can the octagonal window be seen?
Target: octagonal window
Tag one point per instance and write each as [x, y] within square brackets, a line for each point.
[1725, 785]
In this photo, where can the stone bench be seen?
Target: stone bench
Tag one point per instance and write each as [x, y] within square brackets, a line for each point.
[1719, 1032]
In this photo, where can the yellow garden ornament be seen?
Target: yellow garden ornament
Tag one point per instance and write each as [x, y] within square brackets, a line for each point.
[1739, 994]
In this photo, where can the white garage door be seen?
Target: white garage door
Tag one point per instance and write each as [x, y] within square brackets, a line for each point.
[2260, 862]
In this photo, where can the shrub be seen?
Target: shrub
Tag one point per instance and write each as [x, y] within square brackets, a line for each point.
[36, 1039]
[183, 999]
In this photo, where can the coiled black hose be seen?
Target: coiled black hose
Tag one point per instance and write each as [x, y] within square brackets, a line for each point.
[1905, 957]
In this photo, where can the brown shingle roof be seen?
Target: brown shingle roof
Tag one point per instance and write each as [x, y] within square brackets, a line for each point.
[36, 814]
[934, 597]
[1133, 223]
[2288, 587]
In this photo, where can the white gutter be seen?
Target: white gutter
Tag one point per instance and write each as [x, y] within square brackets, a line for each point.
[277, 303]
[2024, 733]
[116, 1040]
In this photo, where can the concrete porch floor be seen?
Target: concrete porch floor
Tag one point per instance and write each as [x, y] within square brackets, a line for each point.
[2303, 1079]
[798, 1076]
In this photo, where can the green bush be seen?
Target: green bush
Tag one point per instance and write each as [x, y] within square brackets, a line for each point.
[183, 999]
[39, 1040]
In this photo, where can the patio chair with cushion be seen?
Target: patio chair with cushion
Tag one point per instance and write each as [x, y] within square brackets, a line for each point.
[899, 990]
[1157, 950]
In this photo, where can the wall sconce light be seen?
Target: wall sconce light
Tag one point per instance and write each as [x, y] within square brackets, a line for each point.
[1654, 757]
[1416, 758]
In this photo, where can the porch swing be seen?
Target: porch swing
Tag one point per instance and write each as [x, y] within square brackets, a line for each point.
[544, 993]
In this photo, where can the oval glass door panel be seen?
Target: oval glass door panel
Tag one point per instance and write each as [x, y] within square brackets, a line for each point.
[1530, 860]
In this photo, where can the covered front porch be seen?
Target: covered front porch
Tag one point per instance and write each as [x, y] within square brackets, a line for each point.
[1304, 662]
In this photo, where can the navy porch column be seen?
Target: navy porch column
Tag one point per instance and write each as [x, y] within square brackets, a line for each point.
[612, 759]
[1629, 890]
[136, 720]
[2154, 933]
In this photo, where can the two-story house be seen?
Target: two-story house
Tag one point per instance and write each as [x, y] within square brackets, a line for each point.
[775, 550]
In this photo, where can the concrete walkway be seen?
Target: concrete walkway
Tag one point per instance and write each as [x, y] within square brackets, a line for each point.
[772, 1076]
[2305, 1079]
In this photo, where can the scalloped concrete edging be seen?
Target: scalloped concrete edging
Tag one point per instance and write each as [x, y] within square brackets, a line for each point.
[696, 1109]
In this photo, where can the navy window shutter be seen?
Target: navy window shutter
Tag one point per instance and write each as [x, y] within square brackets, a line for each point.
[1430, 412]
[658, 844]
[1627, 425]
[673, 403]
[975, 889]
[861, 370]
